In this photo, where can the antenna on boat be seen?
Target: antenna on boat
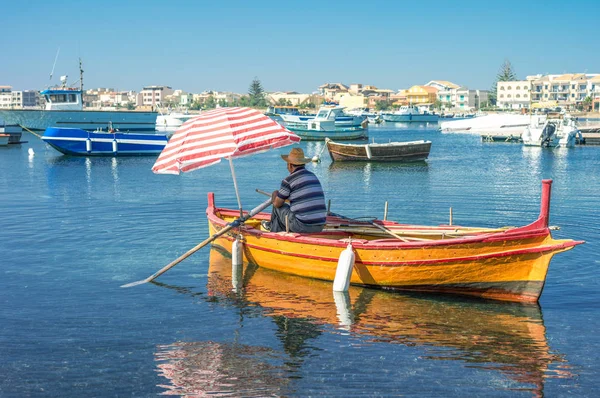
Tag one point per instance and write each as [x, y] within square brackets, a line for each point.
[80, 76]
[55, 59]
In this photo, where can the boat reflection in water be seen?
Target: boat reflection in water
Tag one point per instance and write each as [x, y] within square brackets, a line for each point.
[493, 336]
[200, 369]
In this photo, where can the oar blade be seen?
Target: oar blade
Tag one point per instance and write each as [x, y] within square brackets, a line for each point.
[132, 284]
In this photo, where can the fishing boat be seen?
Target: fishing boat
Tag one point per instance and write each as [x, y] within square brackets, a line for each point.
[64, 108]
[342, 119]
[507, 337]
[71, 141]
[410, 113]
[325, 125]
[507, 263]
[409, 151]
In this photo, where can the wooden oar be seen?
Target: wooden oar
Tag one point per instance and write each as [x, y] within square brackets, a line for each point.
[234, 224]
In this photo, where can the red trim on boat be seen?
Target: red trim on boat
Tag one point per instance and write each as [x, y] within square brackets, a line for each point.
[539, 249]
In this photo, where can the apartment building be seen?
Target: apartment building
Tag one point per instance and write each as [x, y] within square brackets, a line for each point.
[293, 97]
[569, 89]
[153, 95]
[455, 97]
[332, 91]
[514, 94]
[10, 99]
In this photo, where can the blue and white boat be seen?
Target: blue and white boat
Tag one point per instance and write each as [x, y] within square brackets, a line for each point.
[64, 108]
[324, 125]
[341, 119]
[72, 141]
[410, 113]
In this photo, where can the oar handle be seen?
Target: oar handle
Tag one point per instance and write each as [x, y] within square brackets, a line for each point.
[263, 192]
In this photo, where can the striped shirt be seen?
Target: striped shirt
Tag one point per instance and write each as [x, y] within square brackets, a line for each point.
[306, 197]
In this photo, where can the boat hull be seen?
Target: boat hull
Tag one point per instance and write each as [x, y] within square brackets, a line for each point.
[320, 135]
[411, 151]
[340, 121]
[409, 118]
[78, 142]
[85, 120]
[510, 265]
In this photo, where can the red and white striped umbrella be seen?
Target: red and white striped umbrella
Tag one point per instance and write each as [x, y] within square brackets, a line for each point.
[221, 133]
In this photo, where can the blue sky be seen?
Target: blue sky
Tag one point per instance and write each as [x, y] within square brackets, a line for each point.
[292, 45]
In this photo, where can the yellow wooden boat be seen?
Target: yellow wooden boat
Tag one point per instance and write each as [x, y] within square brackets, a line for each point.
[507, 263]
[507, 337]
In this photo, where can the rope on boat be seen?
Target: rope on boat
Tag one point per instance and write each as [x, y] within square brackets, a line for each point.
[25, 128]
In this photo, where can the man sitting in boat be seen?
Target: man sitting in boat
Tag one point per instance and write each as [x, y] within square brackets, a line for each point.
[306, 210]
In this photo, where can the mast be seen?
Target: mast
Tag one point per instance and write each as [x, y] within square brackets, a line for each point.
[80, 76]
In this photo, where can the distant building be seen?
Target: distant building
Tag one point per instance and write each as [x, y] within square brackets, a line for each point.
[460, 98]
[446, 92]
[331, 91]
[513, 94]
[566, 90]
[291, 97]
[468, 99]
[153, 95]
[362, 96]
[421, 95]
[10, 99]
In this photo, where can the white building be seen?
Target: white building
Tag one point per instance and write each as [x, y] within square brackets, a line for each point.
[455, 97]
[153, 95]
[292, 97]
[17, 99]
[569, 89]
[468, 99]
[513, 95]
[446, 92]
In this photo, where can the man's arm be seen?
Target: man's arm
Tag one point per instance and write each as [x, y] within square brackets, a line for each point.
[277, 201]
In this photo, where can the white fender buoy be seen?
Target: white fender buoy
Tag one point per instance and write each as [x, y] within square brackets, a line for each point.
[114, 145]
[344, 309]
[237, 261]
[88, 145]
[31, 152]
[344, 270]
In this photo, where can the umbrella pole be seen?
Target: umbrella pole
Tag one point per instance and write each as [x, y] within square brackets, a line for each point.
[237, 193]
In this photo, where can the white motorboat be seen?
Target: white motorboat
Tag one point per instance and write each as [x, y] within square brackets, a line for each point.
[171, 121]
[552, 132]
[410, 113]
[495, 124]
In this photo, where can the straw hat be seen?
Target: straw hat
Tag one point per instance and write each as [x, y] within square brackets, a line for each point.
[296, 156]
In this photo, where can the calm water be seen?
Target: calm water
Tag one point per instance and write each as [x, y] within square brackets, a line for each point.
[72, 230]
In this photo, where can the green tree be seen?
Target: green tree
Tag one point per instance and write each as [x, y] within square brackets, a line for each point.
[210, 103]
[223, 103]
[256, 94]
[383, 105]
[587, 103]
[505, 74]
[130, 106]
[196, 105]
[438, 104]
